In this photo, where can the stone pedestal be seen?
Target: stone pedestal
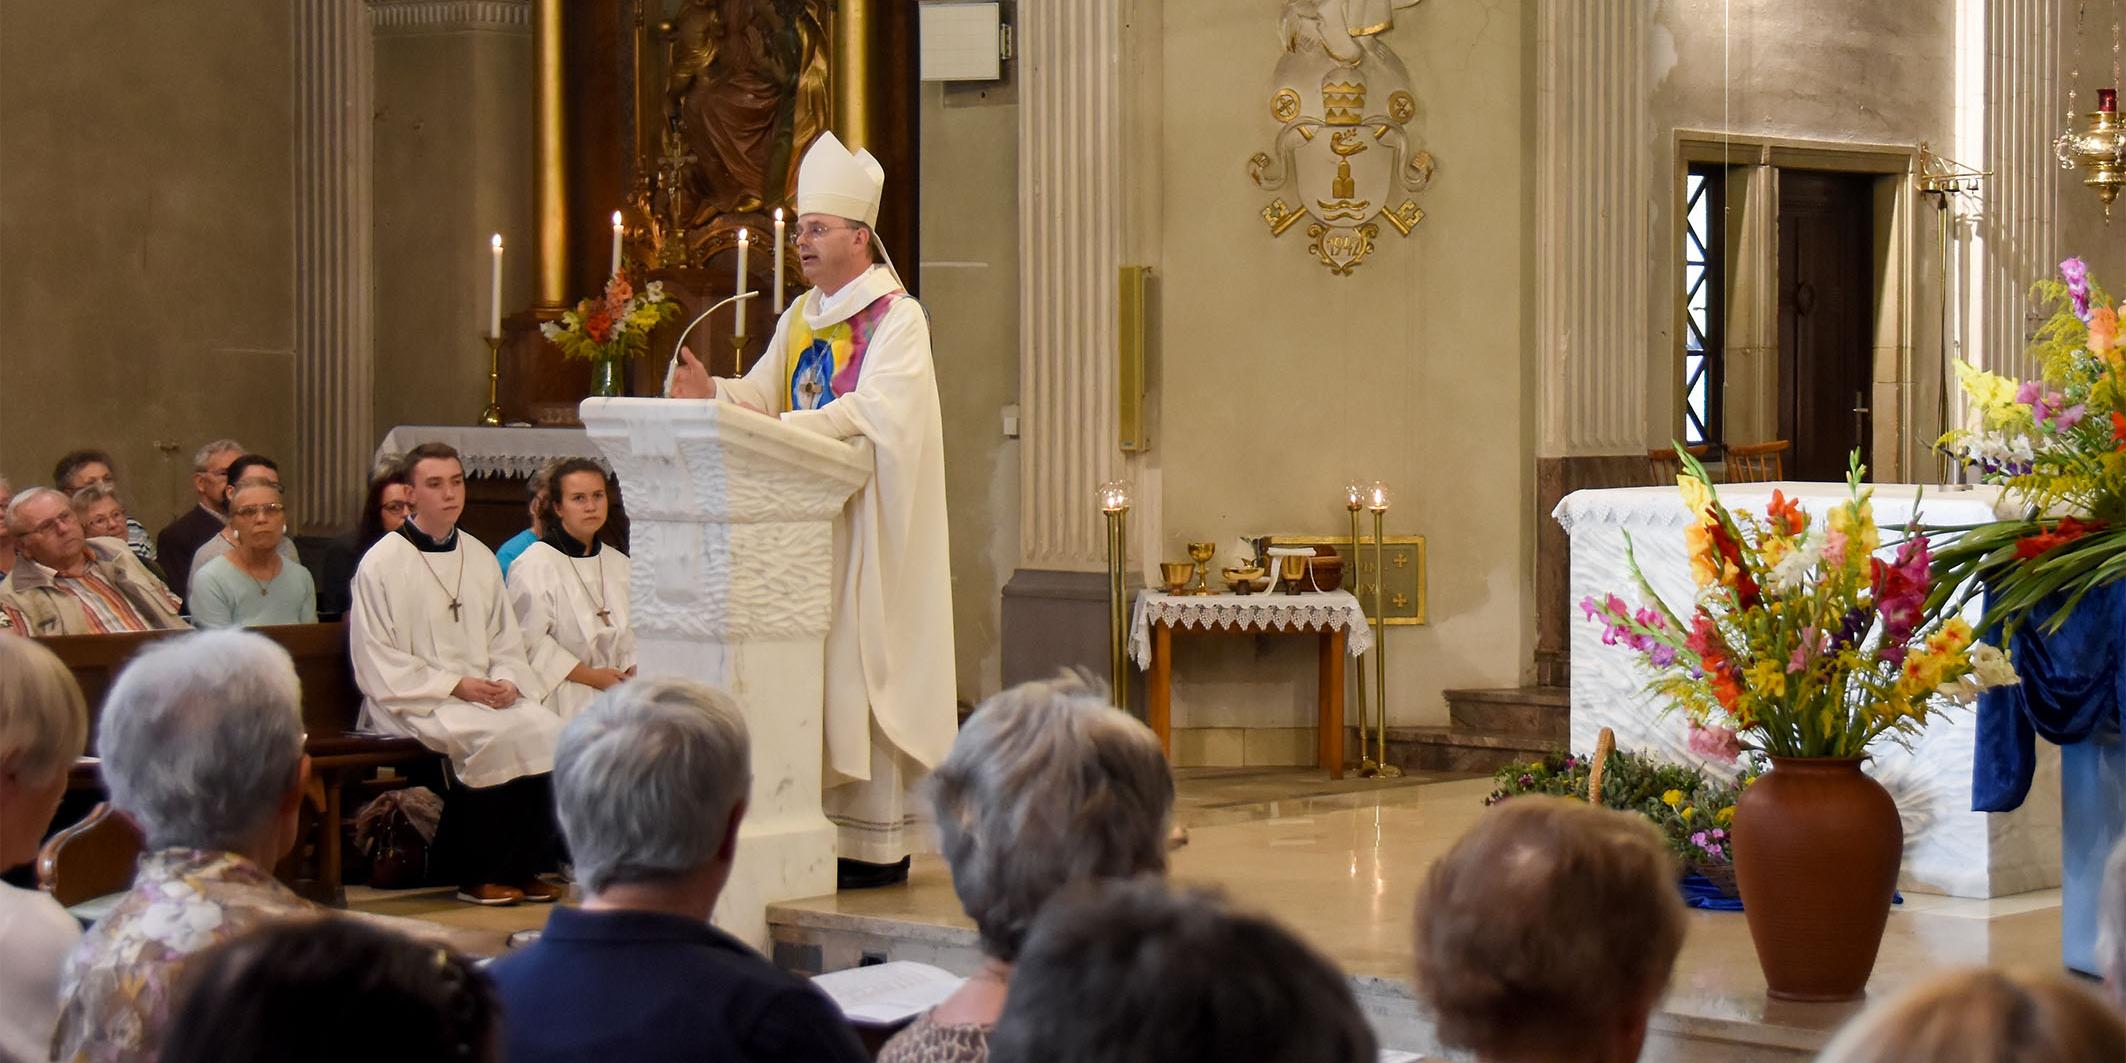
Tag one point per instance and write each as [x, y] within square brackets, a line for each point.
[733, 532]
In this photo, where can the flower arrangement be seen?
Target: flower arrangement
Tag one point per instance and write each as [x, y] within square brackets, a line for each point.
[2056, 444]
[1800, 641]
[613, 326]
[1693, 809]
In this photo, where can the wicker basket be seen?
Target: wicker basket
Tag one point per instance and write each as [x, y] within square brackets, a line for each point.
[1721, 875]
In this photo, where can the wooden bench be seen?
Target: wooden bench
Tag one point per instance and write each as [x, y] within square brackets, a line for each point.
[332, 705]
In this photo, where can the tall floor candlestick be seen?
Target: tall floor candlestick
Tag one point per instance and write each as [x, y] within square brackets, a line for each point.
[1114, 503]
[1378, 503]
[1354, 502]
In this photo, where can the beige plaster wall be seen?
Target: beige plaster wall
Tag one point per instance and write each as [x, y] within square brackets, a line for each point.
[1277, 381]
[146, 236]
[969, 281]
[1811, 70]
[453, 166]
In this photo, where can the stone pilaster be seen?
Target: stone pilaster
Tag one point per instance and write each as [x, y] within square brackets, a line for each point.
[334, 264]
[2013, 235]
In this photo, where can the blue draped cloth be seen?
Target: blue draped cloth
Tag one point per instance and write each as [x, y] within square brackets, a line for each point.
[2073, 689]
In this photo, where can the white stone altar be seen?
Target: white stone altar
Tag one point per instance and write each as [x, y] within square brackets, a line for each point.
[1948, 848]
[505, 451]
[733, 534]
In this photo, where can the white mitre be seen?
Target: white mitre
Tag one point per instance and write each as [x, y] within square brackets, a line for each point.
[833, 181]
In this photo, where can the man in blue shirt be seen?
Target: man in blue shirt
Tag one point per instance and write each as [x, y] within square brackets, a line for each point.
[650, 782]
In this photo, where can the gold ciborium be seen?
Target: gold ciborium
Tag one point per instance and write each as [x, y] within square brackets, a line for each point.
[1201, 554]
[1176, 575]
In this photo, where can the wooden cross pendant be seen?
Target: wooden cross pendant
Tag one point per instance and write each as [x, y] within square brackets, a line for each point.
[605, 616]
[455, 606]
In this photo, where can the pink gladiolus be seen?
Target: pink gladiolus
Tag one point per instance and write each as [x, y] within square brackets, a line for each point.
[1714, 743]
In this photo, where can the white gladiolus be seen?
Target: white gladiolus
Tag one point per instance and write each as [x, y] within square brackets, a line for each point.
[1992, 667]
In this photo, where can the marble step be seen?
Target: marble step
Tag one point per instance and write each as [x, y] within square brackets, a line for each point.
[1463, 749]
[1537, 712]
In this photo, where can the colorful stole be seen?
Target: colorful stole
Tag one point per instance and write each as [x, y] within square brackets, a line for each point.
[822, 366]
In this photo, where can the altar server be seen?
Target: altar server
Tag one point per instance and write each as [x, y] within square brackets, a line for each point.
[850, 359]
[570, 593]
[438, 655]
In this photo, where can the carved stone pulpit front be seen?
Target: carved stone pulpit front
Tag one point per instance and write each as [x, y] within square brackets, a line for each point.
[731, 583]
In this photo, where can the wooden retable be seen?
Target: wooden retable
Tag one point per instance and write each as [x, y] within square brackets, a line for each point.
[1332, 639]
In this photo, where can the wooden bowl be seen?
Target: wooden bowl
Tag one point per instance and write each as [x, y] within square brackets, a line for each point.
[1325, 573]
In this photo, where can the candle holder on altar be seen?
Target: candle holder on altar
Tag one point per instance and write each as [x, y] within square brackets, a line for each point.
[492, 415]
[1377, 503]
[738, 352]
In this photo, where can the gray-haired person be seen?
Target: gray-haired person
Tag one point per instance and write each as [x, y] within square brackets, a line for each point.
[1131, 973]
[650, 782]
[2111, 926]
[182, 537]
[1048, 787]
[201, 740]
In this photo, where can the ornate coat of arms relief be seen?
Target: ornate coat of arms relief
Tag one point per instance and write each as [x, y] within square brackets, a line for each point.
[1342, 160]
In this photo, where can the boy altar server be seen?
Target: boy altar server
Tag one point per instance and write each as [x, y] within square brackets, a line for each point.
[439, 657]
[850, 359]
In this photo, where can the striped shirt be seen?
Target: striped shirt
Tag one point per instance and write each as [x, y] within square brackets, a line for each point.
[106, 609]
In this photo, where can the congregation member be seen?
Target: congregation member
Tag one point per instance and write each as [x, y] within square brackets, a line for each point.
[1130, 972]
[181, 538]
[81, 469]
[246, 470]
[334, 991]
[102, 515]
[2111, 926]
[201, 741]
[43, 728]
[534, 504]
[651, 782]
[570, 591]
[254, 585]
[439, 657]
[1984, 1015]
[851, 359]
[384, 508]
[1548, 932]
[65, 583]
[1048, 788]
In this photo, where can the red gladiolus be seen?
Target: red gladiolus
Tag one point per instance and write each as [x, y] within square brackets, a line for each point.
[2070, 529]
[2118, 429]
[1731, 552]
[1787, 516]
[598, 325]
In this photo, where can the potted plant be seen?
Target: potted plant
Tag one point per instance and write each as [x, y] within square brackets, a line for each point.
[1804, 647]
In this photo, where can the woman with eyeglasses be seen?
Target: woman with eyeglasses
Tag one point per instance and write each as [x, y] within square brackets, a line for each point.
[253, 585]
[387, 505]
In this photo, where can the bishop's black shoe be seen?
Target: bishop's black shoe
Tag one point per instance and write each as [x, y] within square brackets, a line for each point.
[858, 875]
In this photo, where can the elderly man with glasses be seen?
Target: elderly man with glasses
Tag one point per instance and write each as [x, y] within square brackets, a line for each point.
[182, 537]
[66, 583]
[851, 359]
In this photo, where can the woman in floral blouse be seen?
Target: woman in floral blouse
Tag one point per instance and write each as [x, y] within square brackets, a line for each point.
[202, 746]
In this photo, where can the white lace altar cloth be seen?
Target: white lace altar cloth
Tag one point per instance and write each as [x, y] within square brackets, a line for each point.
[1311, 611]
[1948, 848]
[512, 452]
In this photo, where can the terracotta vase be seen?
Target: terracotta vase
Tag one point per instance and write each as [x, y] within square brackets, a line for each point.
[1817, 846]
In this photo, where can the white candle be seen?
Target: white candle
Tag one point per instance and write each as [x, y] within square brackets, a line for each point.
[617, 230]
[494, 289]
[781, 242]
[745, 239]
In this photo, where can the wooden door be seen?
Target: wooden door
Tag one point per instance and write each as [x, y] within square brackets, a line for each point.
[1826, 335]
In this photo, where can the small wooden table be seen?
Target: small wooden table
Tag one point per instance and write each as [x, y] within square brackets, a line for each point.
[1334, 619]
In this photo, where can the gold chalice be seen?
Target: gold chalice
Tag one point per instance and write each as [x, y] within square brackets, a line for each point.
[1176, 574]
[1293, 567]
[1201, 554]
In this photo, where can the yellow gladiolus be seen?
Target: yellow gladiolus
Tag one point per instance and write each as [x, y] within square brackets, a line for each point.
[1696, 495]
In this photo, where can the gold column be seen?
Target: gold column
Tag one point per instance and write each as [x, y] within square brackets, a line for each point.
[852, 73]
[550, 178]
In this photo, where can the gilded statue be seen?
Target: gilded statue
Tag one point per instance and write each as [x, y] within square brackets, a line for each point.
[746, 93]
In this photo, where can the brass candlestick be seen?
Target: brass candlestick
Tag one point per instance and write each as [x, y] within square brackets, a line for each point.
[1354, 501]
[1378, 504]
[492, 415]
[738, 352]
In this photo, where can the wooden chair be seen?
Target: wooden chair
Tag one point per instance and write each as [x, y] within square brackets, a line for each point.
[1749, 463]
[93, 858]
[1662, 466]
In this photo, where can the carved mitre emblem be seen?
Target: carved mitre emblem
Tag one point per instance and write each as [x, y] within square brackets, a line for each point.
[1342, 160]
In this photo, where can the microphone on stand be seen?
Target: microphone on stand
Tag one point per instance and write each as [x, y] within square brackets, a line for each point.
[703, 316]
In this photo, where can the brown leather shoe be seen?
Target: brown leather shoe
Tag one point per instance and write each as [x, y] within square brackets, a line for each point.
[492, 894]
[539, 891]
